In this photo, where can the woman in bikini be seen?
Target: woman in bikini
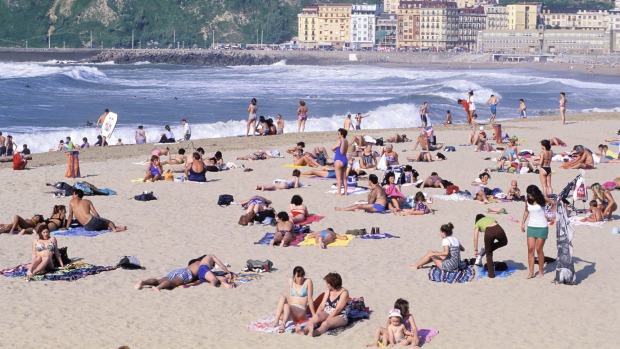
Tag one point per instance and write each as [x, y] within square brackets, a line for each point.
[292, 182]
[334, 309]
[433, 181]
[252, 109]
[43, 250]
[302, 116]
[25, 226]
[340, 161]
[545, 167]
[296, 302]
[284, 233]
[154, 170]
[605, 199]
[326, 237]
[258, 155]
[58, 220]
[196, 171]
[390, 155]
[299, 211]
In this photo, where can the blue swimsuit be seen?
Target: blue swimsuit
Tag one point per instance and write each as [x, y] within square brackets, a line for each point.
[339, 157]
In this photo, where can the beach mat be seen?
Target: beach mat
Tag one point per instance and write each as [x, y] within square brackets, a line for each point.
[265, 240]
[80, 231]
[264, 323]
[293, 166]
[484, 273]
[378, 236]
[459, 276]
[237, 280]
[311, 219]
[351, 190]
[71, 272]
[576, 220]
[338, 243]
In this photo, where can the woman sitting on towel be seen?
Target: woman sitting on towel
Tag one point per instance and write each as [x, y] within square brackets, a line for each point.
[449, 258]
[326, 237]
[395, 197]
[284, 233]
[25, 226]
[334, 309]
[44, 248]
[58, 220]
[154, 170]
[293, 182]
[296, 302]
[299, 211]
[196, 171]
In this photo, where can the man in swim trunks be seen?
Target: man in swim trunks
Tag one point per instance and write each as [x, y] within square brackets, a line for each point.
[377, 199]
[86, 214]
[279, 124]
[358, 121]
[198, 268]
[2, 147]
[584, 160]
[492, 103]
[100, 121]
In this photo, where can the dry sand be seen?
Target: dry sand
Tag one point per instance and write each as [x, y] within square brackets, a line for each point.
[104, 311]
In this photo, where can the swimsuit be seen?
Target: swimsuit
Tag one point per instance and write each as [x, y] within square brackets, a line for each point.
[40, 247]
[96, 224]
[302, 293]
[367, 159]
[547, 169]
[197, 176]
[330, 306]
[421, 206]
[202, 272]
[453, 259]
[303, 116]
[155, 170]
[493, 108]
[358, 127]
[259, 156]
[184, 273]
[256, 201]
[378, 208]
[339, 157]
[390, 158]
[331, 174]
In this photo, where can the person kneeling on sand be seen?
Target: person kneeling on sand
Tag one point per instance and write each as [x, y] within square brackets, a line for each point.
[86, 214]
[199, 268]
[377, 199]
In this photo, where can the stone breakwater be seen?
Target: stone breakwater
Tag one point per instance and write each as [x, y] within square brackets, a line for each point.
[185, 57]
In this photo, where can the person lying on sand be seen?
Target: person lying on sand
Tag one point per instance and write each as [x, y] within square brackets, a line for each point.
[326, 237]
[257, 155]
[197, 269]
[178, 159]
[292, 182]
[25, 226]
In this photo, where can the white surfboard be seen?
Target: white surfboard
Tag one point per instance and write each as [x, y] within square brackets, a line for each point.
[108, 125]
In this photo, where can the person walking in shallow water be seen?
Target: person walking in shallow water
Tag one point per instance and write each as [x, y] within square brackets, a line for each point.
[492, 103]
[100, 121]
[302, 116]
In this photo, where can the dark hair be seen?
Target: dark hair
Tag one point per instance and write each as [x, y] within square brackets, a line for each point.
[373, 178]
[419, 196]
[447, 111]
[545, 143]
[593, 203]
[536, 195]
[297, 200]
[334, 280]
[58, 208]
[218, 155]
[471, 93]
[296, 173]
[302, 103]
[39, 229]
[563, 94]
[434, 174]
[68, 138]
[196, 155]
[299, 271]
[479, 216]
[140, 127]
[301, 144]
[99, 137]
[181, 151]
[154, 157]
[85, 139]
[447, 229]
[200, 150]
[343, 132]
[167, 127]
[484, 174]
[253, 101]
[403, 306]
[261, 118]
[107, 110]
[390, 174]
[79, 193]
[183, 120]
[283, 216]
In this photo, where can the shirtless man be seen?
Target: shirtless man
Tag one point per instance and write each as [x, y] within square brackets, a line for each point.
[178, 159]
[423, 114]
[86, 214]
[199, 268]
[100, 122]
[584, 160]
[279, 124]
[377, 200]
[2, 147]
[492, 103]
[348, 123]
[425, 144]
[358, 121]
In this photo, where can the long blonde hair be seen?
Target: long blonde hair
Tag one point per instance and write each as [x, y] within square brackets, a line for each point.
[598, 190]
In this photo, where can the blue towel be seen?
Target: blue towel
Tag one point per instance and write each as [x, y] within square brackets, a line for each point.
[80, 231]
[458, 276]
[378, 236]
[483, 273]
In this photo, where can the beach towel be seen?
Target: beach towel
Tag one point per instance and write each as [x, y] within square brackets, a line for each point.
[71, 272]
[378, 236]
[576, 220]
[265, 240]
[565, 267]
[79, 231]
[293, 166]
[453, 197]
[351, 190]
[311, 219]
[237, 278]
[459, 276]
[484, 273]
[338, 243]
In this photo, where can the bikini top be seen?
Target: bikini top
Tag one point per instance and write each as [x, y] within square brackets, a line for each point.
[367, 158]
[40, 247]
[302, 293]
[390, 158]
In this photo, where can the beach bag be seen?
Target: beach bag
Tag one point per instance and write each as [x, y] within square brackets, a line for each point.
[264, 215]
[63, 257]
[580, 192]
[452, 189]
[225, 200]
[320, 158]
[382, 163]
[146, 196]
[19, 162]
[63, 189]
[259, 266]
[379, 141]
[357, 304]
[129, 262]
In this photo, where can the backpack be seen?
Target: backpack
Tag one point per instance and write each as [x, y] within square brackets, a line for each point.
[63, 189]
[64, 257]
[379, 141]
[320, 158]
[129, 262]
[259, 266]
[146, 196]
[225, 200]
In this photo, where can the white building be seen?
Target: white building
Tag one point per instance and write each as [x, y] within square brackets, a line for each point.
[363, 25]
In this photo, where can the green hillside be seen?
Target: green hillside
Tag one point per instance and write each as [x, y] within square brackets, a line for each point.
[111, 22]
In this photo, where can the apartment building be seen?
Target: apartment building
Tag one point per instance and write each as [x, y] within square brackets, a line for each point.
[523, 16]
[386, 34]
[308, 27]
[391, 6]
[586, 41]
[569, 18]
[470, 22]
[614, 28]
[334, 25]
[408, 25]
[496, 17]
[439, 25]
[363, 25]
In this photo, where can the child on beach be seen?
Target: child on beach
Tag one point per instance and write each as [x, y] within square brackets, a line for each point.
[408, 334]
[154, 170]
[514, 193]
[284, 233]
[448, 118]
[326, 237]
[596, 214]
[420, 207]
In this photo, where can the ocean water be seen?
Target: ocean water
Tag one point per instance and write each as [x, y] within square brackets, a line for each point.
[45, 102]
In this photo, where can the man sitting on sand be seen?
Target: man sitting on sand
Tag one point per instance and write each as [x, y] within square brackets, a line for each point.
[584, 159]
[199, 268]
[86, 214]
[377, 199]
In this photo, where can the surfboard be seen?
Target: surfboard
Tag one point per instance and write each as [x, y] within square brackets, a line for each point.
[108, 125]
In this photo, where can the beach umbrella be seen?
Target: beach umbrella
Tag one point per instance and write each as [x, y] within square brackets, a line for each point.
[565, 268]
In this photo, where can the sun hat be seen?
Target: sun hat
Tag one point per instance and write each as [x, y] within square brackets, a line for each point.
[394, 312]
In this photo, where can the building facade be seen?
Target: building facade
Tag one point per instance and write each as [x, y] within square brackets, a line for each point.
[391, 6]
[386, 35]
[496, 17]
[439, 25]
[567, 18]
[541, 41]
[363, 25]
[408, 27]
[523, 16]
[614, 28]
[308, 27]
[470, 22]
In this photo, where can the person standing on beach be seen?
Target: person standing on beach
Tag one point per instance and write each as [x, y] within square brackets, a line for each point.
[492, 103]
[302, 116]
[522, 109]
[472, 105]
[86, 214]
[448, 118]
[187, 131]
[252, 110]
[2, 146]
[10, 146]
[100, 121]
[140, 135]
[563, 107]
[348, 123]
[537, 227]
[279, 125]
[358, 121]
[423, 114]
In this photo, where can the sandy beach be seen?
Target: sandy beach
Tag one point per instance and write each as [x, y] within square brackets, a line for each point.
[105, 311]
